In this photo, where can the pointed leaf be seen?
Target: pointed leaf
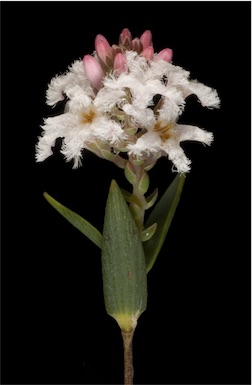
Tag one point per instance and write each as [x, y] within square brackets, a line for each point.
[149, 166]
[77, 221]
[123, 263]
[151, 199]
[148, 233]
[162, 214]
[127, 195]
[144, 182]
[108, 155]
[130, 173]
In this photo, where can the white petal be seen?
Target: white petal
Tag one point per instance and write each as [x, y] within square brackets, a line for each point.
[78, 99]
[177, 156]
[63, 84]
[176, 76]
[107, 130]
[74, 144]
[55, 127]
[107, 98]
[143, 117]
[44, 146]
[136, 64]
[143, 94]
[148, 144]
[162, 68]
[207, 96]
[172, 106]
[186, 132]
[54, 93]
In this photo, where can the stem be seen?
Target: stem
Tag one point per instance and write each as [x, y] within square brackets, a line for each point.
[138, 195]
[128, 357]
[137, 175]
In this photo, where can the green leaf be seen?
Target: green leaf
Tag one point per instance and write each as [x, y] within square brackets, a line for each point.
[162, 214]
[148, 233]
[123, 263]
[144, 182]
[127, 195]
[77, 221]
[130, 173]
[151, 199]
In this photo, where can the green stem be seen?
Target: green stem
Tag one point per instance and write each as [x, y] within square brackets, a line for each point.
[138, 196]
[137, 174]
[128, 357]
[142, 203]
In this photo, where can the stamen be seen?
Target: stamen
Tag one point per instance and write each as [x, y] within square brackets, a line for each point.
[87, 117]
[163, 129]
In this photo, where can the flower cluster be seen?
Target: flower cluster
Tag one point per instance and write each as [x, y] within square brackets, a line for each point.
[124, 98]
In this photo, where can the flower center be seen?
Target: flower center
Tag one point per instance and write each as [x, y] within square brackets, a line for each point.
[163, 129]
[88, 116]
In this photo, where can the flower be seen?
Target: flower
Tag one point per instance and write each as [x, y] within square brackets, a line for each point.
[84, 121]
[126, 97]
[165, 138]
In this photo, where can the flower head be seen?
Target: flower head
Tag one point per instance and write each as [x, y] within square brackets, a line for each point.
[125, 96]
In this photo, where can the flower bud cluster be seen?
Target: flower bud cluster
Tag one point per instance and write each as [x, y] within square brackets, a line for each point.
[107, 58]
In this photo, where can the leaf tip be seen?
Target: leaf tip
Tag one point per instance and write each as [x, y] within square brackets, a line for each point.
[46, 195]
[113, 185]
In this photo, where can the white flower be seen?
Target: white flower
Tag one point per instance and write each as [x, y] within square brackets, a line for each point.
[165, 139]
[84, 122]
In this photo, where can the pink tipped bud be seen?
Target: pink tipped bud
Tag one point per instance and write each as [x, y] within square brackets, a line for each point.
[103, 48]
[125, 38]
[120, 64]
[93, 71]
[146, 39]
[116, 49]
[166, 54]
[148, 53]
[137, 45]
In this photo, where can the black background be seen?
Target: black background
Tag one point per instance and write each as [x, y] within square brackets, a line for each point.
[196, 329]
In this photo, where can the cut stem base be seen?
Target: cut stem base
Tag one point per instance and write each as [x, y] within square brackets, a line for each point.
[128, 357]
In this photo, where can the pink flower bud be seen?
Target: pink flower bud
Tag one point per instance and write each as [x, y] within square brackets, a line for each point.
[148, 53]
[137, 45]
[102, 48]
[165, 54]
[116, 49]
[93, 71]
[125, 38]
[146, 39]
[120, 64]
